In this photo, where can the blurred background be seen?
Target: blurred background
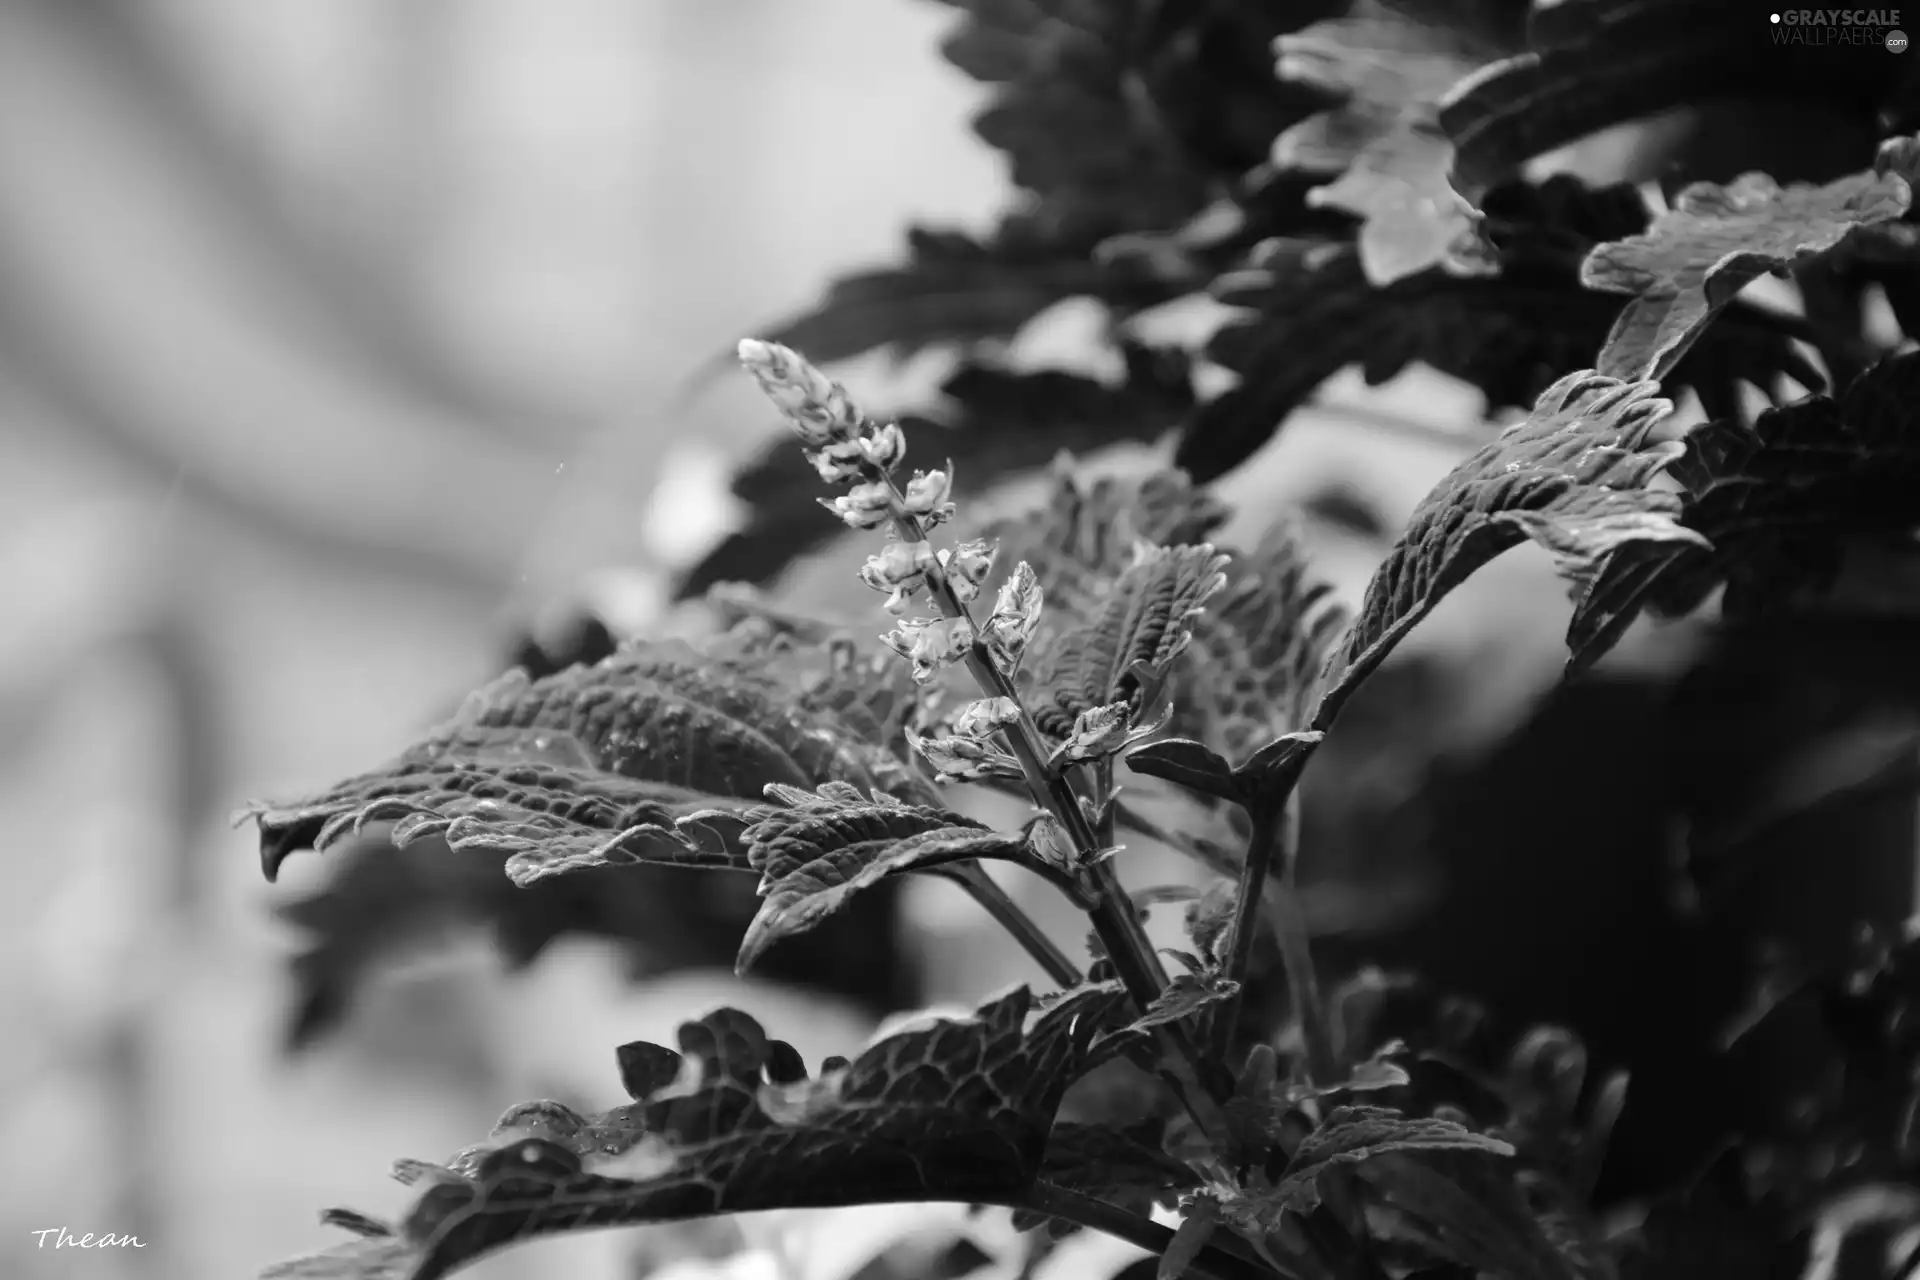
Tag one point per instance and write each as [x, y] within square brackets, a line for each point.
[341, 341]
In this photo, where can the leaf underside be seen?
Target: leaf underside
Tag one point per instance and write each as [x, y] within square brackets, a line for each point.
[958, 1111]
[822, 848]
[652, 755]
[1712, 244]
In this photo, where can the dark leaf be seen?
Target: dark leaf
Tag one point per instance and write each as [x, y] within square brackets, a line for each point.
[1186, 994]
[1196, 1229]
[1126, 116]
[1597, 65]
[1110, 1165]
[1392, 64]
[1572, 477]
[1348, 1136]
[1475, 1208]
[1268, 777]
[1187, 763]
[826, 846]
[1775, 506]
[995, 422]
[1313, 312]
[1716, 1228]
[649, 756]
[956, 289]
[1715, 242]
[958, 1111]
[378, 900]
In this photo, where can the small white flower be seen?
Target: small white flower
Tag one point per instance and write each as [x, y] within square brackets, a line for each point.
[967, 566]
[931, 643]
[839, 462]
[899, 570]
[959, 759]
[865, 506]
[928, 493]
[886, 448]
[986, 716]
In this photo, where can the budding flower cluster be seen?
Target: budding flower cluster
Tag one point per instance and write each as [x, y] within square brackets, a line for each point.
[969, 754]
[819, 408]
[848, 449]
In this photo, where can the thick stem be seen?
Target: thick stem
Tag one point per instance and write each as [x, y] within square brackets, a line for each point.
[985, 891]
[1213, 1262]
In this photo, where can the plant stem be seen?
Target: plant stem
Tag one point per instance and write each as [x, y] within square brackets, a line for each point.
[1213, 1262]
[1112, 911]
[987, 892]
[1276, 834]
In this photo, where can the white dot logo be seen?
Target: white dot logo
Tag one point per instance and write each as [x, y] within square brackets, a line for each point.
[1775, 18]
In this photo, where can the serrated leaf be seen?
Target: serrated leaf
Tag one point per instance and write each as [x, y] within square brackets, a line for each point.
[1392, 65]
[1258, 650]
[991, 422]
[960, 1110]
[1209, 916]
[829, 845]
[1143, 621]
[378, 900]
[1597, 66]
[1716, 241]
[1348, 1136]
[1081, 535]
[1122, 117]
[649, 756]
[1310, 311]
[954, 288]
[1775, 505]
[1186, 994]
[1574, 477]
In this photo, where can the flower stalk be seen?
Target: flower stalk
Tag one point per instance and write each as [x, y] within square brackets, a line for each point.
[843, 444]
[1276, 838]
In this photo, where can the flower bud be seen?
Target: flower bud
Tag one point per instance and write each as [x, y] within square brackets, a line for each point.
[897, 570]
[986, 716]
[1097, 731]
[819, 408]
[930, 643]
[967, 566]
[1016, 616]
[886, 448]
[865, 506]
[927, 495]
[965, 759]
[839, 462]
